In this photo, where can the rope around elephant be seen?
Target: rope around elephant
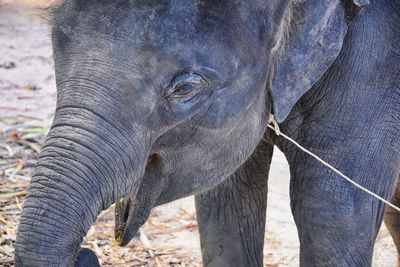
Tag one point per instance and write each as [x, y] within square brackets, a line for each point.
[273, 125]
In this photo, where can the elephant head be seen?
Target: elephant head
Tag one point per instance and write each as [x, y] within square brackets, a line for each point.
[161, 99]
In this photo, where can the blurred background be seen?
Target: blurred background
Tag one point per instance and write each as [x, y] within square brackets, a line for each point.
[170, 237]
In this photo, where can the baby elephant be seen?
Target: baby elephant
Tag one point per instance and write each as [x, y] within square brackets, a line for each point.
[161, 99]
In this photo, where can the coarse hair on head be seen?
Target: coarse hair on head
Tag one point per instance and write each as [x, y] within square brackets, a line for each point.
[286, 26]
[53, 8]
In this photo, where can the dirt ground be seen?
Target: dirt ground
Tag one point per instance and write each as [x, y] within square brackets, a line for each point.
[170, 237]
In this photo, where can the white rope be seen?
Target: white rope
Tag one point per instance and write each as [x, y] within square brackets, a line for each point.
[276, 129]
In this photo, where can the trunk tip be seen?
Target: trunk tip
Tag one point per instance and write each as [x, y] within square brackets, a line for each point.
[87, 258]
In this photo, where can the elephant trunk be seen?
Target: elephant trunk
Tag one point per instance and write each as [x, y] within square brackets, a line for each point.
[82, 170]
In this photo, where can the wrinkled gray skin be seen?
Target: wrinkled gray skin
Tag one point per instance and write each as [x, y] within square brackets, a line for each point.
[161, 99]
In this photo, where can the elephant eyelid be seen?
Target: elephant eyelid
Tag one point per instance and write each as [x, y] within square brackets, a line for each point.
[187, 78]
[186, 85]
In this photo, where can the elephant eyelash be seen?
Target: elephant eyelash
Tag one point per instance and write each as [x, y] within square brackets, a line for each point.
[186, 84]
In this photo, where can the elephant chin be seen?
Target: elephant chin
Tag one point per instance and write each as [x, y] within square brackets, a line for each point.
[129, 217]
[87, 258]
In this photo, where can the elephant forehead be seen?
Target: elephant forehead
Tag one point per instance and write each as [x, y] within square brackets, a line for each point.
[157, 23]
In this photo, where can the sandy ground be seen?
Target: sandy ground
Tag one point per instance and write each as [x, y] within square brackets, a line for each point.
[27, 94]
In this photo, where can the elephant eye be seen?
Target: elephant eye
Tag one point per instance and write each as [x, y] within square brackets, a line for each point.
[183, 89]
[186, 86]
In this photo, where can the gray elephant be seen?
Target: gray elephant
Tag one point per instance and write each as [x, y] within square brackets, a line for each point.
[161, 99]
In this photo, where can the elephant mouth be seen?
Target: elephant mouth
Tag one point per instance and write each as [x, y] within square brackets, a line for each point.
[131, 213]
[128, 219]
[121, 218]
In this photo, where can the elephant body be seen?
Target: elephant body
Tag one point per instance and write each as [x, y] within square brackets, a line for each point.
[175, 100]
[350, 118]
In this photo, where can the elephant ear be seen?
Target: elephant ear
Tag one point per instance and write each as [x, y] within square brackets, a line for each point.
[316, 33]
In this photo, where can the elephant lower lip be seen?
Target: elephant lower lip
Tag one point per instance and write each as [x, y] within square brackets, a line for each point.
[121, 218]
[119, 233]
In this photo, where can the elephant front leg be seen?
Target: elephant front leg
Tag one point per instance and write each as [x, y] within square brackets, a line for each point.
[336, 232]
[231, 216]
[338, 223]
